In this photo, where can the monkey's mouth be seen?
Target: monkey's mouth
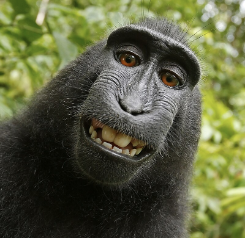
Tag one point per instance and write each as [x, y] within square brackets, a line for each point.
[116, 141]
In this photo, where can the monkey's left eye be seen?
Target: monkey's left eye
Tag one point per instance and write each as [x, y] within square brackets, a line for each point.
[170, 79]
[128, 59]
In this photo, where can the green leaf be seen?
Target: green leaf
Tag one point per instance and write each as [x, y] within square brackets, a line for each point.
[235, 207]
[20, 6]
[67, 50]
[230, 200]
[5, 110]
[29, 29]
[236, 191]
[94, 14]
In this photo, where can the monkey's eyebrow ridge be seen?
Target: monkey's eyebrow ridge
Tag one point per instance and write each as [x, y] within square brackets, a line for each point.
[183, 50]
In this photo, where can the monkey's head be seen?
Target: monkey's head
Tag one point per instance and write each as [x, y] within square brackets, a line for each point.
[142, 112]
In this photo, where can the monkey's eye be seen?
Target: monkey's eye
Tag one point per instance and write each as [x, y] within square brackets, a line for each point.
[170, 79]
[128, 59]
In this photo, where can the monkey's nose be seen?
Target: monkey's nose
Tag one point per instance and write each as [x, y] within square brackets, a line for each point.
[131, 104]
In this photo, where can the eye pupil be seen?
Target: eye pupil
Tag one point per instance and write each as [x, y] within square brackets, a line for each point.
[128, 60]
[170, 79]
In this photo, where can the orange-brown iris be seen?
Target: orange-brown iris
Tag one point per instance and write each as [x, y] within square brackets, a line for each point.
[128, 60]
[169, 79]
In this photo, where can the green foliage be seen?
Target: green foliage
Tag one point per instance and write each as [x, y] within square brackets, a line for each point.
[31, 54]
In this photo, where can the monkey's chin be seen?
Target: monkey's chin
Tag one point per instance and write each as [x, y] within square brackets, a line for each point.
[106, 166]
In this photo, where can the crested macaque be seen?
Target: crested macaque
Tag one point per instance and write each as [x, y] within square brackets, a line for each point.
[106, 148]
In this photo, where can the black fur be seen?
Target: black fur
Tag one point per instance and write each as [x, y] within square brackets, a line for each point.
[56, 183]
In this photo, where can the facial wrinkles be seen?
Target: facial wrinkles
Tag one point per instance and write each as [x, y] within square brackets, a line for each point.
[163, 102]
[143, 83]
[109, 83]
[110, 77]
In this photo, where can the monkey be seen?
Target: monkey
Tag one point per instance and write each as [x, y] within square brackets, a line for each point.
[106, 148]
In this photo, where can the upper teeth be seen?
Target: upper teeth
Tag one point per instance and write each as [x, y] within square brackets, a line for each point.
[114, 137]
[109, 134]
[121, 140]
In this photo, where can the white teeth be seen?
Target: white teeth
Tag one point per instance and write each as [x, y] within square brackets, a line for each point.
[132, 152]
[94, 135]
[117, 149]
[138, 150]
[91, 129]
[126, 151]
[122, 140]
[98, 140]
[107, 145]
[108, 133]
[134, 142]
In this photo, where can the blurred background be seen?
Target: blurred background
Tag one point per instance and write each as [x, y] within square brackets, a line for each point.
[33, 47]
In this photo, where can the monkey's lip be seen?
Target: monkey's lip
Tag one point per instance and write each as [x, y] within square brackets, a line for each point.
[145, 153]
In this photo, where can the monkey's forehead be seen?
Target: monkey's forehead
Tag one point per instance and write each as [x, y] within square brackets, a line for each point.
[159, 39]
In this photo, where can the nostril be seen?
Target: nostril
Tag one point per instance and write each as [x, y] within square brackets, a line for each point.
[136, 113]
[131, 105]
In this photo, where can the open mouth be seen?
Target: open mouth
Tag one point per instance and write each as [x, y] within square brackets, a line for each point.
[115, 140]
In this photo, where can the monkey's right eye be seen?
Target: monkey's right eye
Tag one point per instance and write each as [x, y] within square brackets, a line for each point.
[170, 79]
[128, 59]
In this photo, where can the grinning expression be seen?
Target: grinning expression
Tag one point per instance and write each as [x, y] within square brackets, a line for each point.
[115, 140]
[140, 94]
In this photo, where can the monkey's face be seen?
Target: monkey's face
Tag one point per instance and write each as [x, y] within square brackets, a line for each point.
[140, 94]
